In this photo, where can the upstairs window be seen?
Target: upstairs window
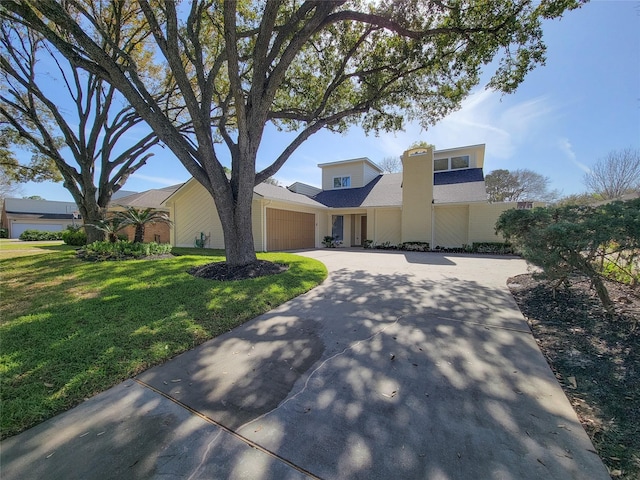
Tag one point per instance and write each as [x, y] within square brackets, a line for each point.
[341, 182]
[440, 164]
[452, 163]
[460, 162]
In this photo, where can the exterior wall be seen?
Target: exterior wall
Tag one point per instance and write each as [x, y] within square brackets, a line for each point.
[304, 189]
[193, 212]
[482, 221]
[417, 195]
[353, 170]
[387, 223]
[369, 173]
[155, 232]
[451, 226]
[475, 152]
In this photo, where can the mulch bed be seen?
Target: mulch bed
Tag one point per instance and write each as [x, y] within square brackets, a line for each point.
[222, 271]
[596, 358]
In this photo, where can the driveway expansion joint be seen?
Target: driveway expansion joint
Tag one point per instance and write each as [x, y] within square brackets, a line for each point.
[230, 431]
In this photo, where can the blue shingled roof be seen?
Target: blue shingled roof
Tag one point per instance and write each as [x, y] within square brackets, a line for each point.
[354, 197]
[458, 176]
[350, 197]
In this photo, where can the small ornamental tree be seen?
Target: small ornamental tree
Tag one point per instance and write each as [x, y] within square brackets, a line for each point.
[140, 219]
[574, 239]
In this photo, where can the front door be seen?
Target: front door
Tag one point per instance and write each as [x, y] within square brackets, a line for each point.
[363, 229]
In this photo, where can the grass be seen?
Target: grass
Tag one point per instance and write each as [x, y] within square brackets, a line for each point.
[70, 329]
[11, 248]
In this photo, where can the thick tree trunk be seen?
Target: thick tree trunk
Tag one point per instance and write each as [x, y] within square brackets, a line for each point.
[235, 217]
[91, 214]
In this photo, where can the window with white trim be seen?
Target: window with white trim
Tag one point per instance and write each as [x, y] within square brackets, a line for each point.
[341, 182]
[451, 163]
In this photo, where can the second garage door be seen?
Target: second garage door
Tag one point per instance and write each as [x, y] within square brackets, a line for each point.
[288, 230]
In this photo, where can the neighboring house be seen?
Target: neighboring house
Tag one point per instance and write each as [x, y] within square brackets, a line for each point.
[439, 198]
[156, 232]
[20, 214]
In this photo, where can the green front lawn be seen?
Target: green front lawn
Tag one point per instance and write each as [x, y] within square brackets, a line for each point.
[70, 329]
[10, 248]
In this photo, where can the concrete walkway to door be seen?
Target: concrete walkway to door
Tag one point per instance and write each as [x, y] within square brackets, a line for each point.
[400, 365]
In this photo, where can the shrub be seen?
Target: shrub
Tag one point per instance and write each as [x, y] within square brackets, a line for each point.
[367, 244]
[385, 246]
[572, 239]
[106, 250]
[74, 236]
[39, 235]
[492, 247]
[4, 233]
[331, 242]
[414, 246]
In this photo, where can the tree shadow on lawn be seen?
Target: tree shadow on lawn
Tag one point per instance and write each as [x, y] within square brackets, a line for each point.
[79, 328]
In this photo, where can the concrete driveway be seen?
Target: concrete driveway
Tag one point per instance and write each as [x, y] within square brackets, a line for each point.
[400, 365]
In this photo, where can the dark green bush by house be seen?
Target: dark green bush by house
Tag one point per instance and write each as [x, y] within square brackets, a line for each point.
[414, 246]
[99, 251]
[39, 236]
[492, 247]
[4, 233]
[74, 236]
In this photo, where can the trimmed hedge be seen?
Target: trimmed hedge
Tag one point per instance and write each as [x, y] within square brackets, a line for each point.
[74, 237]
[100, 251]
[414, 246]
[492, 247]
[39, 235]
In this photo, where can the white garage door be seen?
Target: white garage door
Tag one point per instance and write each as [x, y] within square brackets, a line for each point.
[18, 228]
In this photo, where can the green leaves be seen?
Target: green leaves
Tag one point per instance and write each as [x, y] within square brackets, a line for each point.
[576, 239]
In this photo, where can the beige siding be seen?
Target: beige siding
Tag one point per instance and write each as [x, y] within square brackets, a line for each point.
[369, 173]
[194, 212]
[483, 219]
[417, 196]
[353, 170]
[451, 226]
[475, 152]
[387, 226]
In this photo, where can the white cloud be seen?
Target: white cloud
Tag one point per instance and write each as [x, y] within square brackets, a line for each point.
[565, 146]
[482, 118]
[158, 180]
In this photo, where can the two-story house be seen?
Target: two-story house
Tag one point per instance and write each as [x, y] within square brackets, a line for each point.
[439, 198]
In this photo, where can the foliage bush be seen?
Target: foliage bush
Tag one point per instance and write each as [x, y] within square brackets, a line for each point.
[74, 236]
[106, 250]
[385, 246]
[492, 248]
[39, 235]
[367, 244]
[414, 246]
[331, 242]
[574, 239]
[4, 233]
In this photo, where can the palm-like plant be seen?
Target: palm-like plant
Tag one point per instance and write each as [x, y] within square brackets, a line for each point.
[111, 226]
[140, 219]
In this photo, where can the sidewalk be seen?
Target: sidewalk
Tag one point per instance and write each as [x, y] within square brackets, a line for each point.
[401, 365]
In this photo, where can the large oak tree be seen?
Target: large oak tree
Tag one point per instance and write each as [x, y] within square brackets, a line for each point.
[301, 65]
[72, 119]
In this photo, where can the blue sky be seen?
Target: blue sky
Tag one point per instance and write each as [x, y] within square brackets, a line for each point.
[584, 103]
